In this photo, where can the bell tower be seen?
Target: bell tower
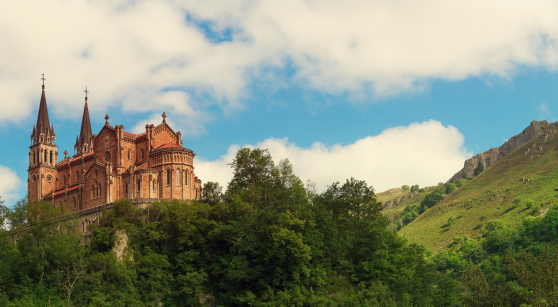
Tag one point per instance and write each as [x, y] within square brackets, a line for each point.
[43, 154]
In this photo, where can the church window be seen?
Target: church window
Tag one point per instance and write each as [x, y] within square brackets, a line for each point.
[45, 159]
[107, 156]
[126, 188]
[49, 178]
[129, 154]
[168, 177]
[65, 182]
[177, 177]
[139, 186]
[142, 154]
[34, 178]
[34, 157]
[153, 185]
[186, 179]
[77, 175]
[51, 156]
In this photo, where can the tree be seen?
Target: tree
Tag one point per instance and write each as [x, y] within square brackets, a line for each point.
[212, 193]
[450, 188]
[414, 188]
[405, 187]
[431, 199]
[479, 169]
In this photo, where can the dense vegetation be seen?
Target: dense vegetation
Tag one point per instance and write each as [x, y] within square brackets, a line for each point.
[266, 240]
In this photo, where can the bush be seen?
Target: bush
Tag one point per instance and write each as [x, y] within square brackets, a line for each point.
[450, 188]
[405, 187]
[415, 188]
[451, 221]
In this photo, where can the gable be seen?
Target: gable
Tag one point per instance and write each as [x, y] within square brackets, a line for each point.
[105, 139]
[163, 134]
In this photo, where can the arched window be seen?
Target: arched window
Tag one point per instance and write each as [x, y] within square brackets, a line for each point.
[51, 157]
[139, 186]
[142, 154]
[129, 154]
[186, 179]
[126, 188]
[154, 186]
[168, 177]
[45, 160]
[177, 177]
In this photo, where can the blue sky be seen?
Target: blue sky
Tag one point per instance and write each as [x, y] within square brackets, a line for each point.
[393, 93]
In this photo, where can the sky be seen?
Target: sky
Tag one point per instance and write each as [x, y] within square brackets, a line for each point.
[391, 92]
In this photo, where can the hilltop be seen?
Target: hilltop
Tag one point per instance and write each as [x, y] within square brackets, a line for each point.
[519, 185]
[495, 154]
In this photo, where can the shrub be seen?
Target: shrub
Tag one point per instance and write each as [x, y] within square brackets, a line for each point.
[405, 187]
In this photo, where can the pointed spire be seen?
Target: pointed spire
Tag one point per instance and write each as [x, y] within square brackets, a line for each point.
[43, 124]
[85, 134]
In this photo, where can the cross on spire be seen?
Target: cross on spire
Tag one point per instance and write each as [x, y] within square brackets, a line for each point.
[43, 78]
[86, 92]
[164, 117]
[106, 119]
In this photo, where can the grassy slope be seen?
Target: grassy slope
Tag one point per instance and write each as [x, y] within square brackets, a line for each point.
[491, 195]
[394, 213]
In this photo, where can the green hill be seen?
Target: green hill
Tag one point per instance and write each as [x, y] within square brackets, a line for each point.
[521, 185]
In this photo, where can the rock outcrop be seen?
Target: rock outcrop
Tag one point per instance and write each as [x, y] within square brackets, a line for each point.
[493, 155]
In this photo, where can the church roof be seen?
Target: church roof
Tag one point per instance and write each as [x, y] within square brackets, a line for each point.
[169, 145]
[128, 134]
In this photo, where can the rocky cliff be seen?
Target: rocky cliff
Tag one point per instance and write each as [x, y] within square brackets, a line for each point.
[493, 155]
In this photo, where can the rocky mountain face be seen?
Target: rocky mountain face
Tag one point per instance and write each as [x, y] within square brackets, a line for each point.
[495, 154]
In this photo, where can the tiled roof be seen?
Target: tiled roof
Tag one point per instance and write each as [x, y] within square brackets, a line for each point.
[76, 158]
[75, 186]
[128, 134]
[168, 145]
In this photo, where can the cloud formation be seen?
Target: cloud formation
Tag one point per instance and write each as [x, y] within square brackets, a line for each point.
[207, 53]
[422, 153]
[9, 184]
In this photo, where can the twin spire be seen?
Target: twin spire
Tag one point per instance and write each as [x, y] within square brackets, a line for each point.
[43, 131]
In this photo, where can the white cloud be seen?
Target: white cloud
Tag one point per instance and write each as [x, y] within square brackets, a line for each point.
[422, 153]
[544, 111]
[122, 49]
[9, 184]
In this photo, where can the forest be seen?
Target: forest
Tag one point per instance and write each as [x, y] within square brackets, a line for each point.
[267, 239]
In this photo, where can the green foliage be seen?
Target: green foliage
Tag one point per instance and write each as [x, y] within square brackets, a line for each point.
[431, 199]
[450, 187]
[415, 188]
[212, 193]
[405, 187]
[266, 243]
[460, 182]
[479, 169]
[451, 221]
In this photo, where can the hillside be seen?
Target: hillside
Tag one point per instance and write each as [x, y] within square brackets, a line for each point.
[395, 200]
[495, 154]
[520, 185]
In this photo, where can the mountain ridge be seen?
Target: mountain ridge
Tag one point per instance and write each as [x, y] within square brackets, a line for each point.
[495, 154]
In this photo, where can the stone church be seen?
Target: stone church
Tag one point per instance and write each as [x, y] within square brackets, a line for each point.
[110, 165]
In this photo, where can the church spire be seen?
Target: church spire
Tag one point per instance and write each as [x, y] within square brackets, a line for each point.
[85, 142]
[43, 126]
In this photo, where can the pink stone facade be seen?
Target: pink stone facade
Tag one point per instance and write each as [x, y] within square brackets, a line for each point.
[111, 165]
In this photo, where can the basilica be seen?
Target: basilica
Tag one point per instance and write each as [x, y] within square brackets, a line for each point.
[111, 165]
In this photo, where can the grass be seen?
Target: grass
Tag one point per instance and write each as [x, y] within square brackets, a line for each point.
[491, 195]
